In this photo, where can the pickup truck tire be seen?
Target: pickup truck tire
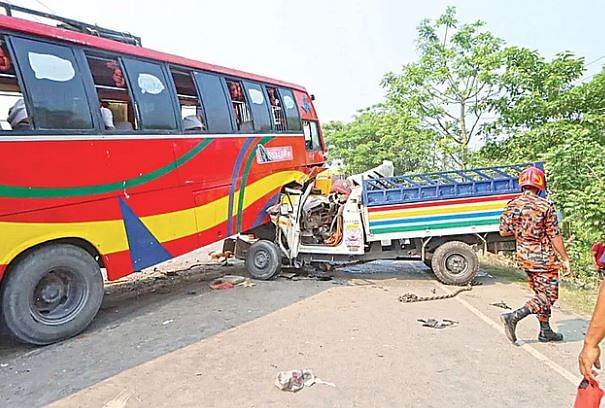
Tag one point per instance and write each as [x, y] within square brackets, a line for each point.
[263, 260]
[455, 263]
[50, 294]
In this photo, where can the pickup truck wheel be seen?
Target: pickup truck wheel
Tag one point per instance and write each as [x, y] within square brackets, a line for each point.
[263, 260]
[52, 293]
[455, 263]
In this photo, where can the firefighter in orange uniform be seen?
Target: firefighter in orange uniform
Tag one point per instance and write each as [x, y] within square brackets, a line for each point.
[532, 220]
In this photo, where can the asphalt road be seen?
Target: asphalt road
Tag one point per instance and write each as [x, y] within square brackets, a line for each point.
[172, 341]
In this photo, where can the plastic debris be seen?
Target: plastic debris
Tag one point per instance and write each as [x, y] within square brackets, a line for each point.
[437, 324]
[501, 305]
[167, 322]
[296, 380]
[231, 281]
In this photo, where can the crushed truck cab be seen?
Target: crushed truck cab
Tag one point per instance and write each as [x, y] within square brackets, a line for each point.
[442, 219]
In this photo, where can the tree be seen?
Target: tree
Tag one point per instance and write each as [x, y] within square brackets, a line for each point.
[545, 115]
[378, 134]
[534, 91]
[452, 86]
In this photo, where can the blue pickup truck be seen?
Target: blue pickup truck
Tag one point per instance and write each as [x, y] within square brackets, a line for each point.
[442, 218]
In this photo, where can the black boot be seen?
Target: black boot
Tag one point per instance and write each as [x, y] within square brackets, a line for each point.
[511, 319]
[547, 334]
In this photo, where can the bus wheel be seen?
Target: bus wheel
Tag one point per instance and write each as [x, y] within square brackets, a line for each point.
[263, 260]
[51, 294]
[455, 263]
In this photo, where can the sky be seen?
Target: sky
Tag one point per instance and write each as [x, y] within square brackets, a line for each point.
[338, 49]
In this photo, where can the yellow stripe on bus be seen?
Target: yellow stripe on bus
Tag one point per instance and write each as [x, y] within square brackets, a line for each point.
[450, 209]
[110, 236]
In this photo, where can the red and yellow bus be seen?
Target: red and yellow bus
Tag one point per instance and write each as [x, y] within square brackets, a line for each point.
[119, 157]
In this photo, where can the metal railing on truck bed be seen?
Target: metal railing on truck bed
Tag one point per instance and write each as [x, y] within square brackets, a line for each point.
[445, 185]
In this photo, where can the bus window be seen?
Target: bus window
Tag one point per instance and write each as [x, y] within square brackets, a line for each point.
[218, 116]
[292, 117]
[311, 131]
[241, 112]
[259, 107]
[13, 114]
[151, 94]
[115, 104]
[54, 85]
[190, 105]
[279, 119]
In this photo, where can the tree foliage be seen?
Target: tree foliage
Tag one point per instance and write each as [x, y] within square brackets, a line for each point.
[467, 84]
[451, 87]
[375, 135]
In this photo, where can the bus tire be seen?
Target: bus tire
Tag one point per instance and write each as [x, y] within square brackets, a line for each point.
[51, 294]
[455, 263]
[263, 260]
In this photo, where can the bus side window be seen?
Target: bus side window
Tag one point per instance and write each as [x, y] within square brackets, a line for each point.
[311, 131]
[216, 105]
[54, 85]
[190, 105]
[292, 116]
[13, 113]
[241, 111]
[116, 107]
[151, 94]
[259, 107]
[277, 111]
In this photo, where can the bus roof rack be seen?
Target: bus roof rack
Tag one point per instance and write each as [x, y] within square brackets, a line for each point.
[74, 25]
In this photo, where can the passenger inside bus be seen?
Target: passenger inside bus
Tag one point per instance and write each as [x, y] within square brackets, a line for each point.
[116, 107]
[192, 113]
[278, 113]
[11, 96]
[107, 115]
[241, 112]
[17, 115]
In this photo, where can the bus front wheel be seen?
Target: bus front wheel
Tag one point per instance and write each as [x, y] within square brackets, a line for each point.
[50, 294]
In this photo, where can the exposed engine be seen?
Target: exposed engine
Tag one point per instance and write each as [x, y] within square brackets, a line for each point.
[321, 221]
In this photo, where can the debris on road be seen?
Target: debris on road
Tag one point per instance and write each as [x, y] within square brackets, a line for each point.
[501, 305]
[437, 324]
[220, 257]
[296, 380]
[287, 275]
[231, 281]
[412, 297]
[166, 322]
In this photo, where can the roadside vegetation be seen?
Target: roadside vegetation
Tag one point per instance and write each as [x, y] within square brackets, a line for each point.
[470, 99]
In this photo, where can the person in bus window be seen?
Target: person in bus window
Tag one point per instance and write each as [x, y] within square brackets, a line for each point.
[107, 116]
[192, 123]
[17, 115]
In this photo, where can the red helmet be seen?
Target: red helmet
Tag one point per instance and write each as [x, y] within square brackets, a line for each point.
[532, 177]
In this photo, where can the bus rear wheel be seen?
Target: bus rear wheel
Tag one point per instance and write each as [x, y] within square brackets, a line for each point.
[51, 294]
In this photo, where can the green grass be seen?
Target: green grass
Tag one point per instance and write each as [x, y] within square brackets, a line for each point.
[579, 295]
